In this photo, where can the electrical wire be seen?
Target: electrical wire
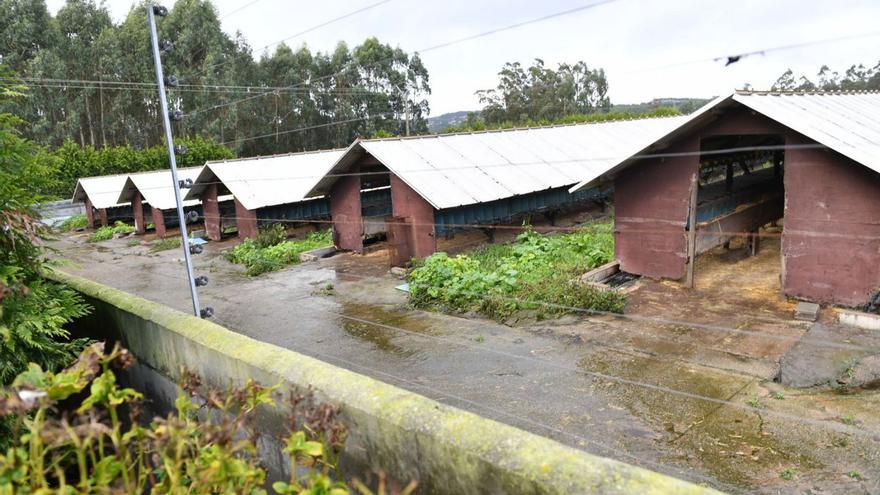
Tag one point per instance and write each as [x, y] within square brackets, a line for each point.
[239, 9]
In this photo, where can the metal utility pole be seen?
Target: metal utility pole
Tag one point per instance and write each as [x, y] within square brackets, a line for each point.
[163, 102]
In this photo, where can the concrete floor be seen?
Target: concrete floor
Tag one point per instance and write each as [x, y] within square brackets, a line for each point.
[648, 390]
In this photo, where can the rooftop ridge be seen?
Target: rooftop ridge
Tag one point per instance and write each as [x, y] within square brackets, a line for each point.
[771, 92]
[512, 129]
[260, 157]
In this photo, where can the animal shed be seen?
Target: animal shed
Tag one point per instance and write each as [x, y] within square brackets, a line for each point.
[446, 182]
[156, 190]
[101, 196]
[265, 190]
[751, 158]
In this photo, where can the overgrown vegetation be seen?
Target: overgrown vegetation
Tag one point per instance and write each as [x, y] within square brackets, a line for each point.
[73, 223]
[104, 233]
[165, 244]
[71, 436]
[535, 272]
[270, 251]
[33, 311]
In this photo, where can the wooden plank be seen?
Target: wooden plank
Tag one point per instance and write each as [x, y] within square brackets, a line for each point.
[692, 232]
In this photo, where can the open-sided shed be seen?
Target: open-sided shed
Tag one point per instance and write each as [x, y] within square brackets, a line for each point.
[749, 158]
[264, 189]
[443, 182]
[101, 194]
[156, 189]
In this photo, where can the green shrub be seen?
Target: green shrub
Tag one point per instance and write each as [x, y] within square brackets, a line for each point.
[259, 259]
[271, 236]
[70, 436]
[104, 233]
[73, 223]
[165, 244]
[535, 272]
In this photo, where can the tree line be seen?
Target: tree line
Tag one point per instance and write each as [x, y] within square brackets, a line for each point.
[91, 80]
[856, 78]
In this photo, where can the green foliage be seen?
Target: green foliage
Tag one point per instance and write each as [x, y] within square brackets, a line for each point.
[70, 436]
[33, 312]
[535, 272]
[270, 236]
[788, 474]
[856, 78]
[165, 244]
[104, 233]
[539, 93]
[73, 223]
[268, 257]
[475, 123]
[372, 87]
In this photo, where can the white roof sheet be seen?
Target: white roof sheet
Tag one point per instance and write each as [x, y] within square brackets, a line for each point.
[157, 188]
[461, 169]
[102, 191]
[848, 123]
[270, 180]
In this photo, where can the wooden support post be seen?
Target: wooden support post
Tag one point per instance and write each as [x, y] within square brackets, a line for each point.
[728, 179]
[754, 242]
[692, 233]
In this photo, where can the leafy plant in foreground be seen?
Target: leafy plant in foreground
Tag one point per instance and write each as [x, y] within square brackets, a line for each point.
[74, 222]
[206, 446]
[261, 259]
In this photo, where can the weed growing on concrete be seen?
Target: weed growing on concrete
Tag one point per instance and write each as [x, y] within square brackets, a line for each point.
[854, 475]
[73, 223]
[788, 474]
[259, 259]
[133, 243]
[479, 339]
[165, 244]
[109, 231]
[755, 402]
[847, 419]
[777, 395]
[527, 274]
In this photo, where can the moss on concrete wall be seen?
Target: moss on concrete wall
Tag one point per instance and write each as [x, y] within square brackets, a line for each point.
[448, 450]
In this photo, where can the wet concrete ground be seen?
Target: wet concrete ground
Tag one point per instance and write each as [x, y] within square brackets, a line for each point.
[671, 389]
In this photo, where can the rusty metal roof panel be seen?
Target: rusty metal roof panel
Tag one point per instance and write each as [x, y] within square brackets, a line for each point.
[461, 169]
[102, 191]
[157, 187]
[269, 180]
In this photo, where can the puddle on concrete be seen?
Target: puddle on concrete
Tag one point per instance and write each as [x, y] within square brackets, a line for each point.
[730, 443]
[385, 339]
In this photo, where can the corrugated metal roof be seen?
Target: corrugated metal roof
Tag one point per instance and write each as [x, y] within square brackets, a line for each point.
[270, 180]
[157, 187]
[846, 122]
[461, 169]
[102, 191]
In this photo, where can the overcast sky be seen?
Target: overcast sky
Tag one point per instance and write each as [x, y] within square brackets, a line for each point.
[641, 44]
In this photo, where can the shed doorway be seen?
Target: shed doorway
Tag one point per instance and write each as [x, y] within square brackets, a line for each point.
[737, 205]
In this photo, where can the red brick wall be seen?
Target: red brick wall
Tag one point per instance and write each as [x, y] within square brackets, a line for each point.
[137, 210]
[90, 213]
[211, 212]
[651, 201]
[102, 214]
[158, 222]
[831, 241]
[245, 221]
[419, 215]
[345, 209]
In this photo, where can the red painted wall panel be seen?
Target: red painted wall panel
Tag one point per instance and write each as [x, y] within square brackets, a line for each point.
[345, 209]
[211, 211]
[419, 215]
[831, 241]
[245, 221]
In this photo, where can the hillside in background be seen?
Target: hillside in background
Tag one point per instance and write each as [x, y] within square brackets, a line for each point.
[451, 119]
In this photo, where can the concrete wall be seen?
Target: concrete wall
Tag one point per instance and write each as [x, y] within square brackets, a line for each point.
[408, 436]
[831, 241]
[345, 209]
[419, 216]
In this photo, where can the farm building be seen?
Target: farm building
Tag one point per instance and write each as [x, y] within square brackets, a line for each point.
[101, 196]
[811, 160]
[437, 184]
[263, 189]
[156, 190]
